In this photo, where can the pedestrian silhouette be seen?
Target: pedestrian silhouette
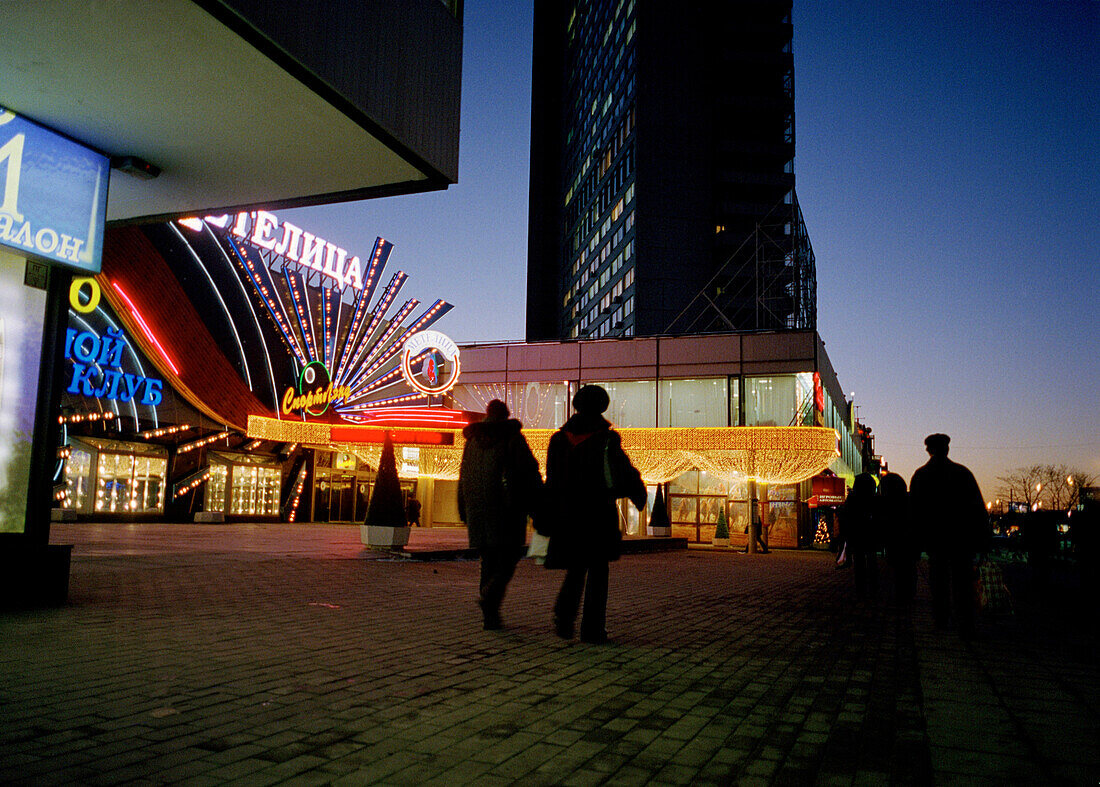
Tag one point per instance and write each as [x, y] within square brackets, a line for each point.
[498, 486]
[586, 472]
[895, 523]
[412, 510]
[857, 517]
[756, 528]
[953, 527]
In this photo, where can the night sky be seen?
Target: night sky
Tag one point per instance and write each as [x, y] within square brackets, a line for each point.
[948, 172]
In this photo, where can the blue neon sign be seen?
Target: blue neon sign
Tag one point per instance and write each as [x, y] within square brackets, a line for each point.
[53, 195]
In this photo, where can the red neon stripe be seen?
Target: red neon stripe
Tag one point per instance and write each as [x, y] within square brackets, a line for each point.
[351, 434]
[144, 327]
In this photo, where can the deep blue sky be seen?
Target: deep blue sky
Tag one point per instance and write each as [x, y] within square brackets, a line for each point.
[947, 168]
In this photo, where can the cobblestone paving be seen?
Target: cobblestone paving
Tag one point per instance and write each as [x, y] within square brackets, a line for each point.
[262, 666]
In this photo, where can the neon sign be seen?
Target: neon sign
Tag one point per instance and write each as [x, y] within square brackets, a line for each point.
[97, 360]
[97, 369]
[265, 231]
[439, 370]
[315, 391]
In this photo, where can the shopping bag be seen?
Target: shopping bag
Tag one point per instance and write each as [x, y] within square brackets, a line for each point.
[538, 546]
[993, 595]
[842, 558]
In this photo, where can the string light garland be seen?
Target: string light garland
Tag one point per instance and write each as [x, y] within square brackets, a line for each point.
[183, 449]
[77, 418]
[299, 484]
[770, 454]
[164, 431]
[191, 482]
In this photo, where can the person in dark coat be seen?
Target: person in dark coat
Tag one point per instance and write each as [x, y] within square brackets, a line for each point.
[412, 511]
[895, 522]
[953, 523]
[498, 485]
[586, 472]
[857, 517]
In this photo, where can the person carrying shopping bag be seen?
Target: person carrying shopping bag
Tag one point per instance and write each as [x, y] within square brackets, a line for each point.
[586, 473]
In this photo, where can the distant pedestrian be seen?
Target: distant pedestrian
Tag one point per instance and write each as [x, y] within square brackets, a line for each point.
[498, 486]
[586, 472]
[895, 523]
[412, 511]
[1085, 534]
[953, 525]
[857, 517]
[756, 529]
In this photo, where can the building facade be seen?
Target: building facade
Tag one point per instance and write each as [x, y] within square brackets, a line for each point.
[688, 408]
[129, 112]
[662, 171]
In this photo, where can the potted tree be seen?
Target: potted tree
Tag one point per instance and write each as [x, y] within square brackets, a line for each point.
[722, 529]
[385, 525]
[659, 524]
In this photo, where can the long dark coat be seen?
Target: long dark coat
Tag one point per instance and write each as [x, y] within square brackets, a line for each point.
[948, 508]
[498, 484]
[580, 509]
[857, 515]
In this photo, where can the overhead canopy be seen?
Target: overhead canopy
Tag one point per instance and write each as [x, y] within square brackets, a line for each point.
[770, 454]
[240, 104]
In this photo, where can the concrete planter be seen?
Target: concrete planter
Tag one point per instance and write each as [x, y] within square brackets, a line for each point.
[721, 542]
[385, 537]
[658, 531]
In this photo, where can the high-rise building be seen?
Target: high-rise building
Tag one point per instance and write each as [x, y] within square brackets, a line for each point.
[662, 171]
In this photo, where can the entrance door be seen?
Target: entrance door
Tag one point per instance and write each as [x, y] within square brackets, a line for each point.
[343, 498]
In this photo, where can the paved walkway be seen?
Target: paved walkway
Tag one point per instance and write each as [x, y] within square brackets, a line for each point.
[264, 654]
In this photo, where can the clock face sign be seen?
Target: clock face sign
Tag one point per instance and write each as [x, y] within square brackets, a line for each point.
[439, 364]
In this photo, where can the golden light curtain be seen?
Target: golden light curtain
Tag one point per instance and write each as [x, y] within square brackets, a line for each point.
[771, 454]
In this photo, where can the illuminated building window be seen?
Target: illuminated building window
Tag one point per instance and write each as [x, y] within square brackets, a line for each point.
[215, 488]
[693, 402]
[243, 484]
[78, 479]
[115, 477]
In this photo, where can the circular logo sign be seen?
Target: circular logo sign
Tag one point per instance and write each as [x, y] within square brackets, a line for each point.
[439, 362]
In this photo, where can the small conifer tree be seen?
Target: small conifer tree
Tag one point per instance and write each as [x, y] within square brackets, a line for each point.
[722, 529]
[659, 517]
[387, 509]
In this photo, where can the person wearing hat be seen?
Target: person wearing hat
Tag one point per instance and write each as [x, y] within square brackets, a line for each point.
[498, 485]
[586, 473]
[950, 514]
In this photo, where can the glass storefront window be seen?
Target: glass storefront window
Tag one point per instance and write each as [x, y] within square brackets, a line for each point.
[130, 484]
[128, 478]
[113, 476]
[215, 488]
[693, 402]
[633, 404]
[254, 484]
[695, 500]
[536, 405]
[78, 479]
[735, 401]
[147, 492]
[804, 385]
[770, 401]
[254, 490]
